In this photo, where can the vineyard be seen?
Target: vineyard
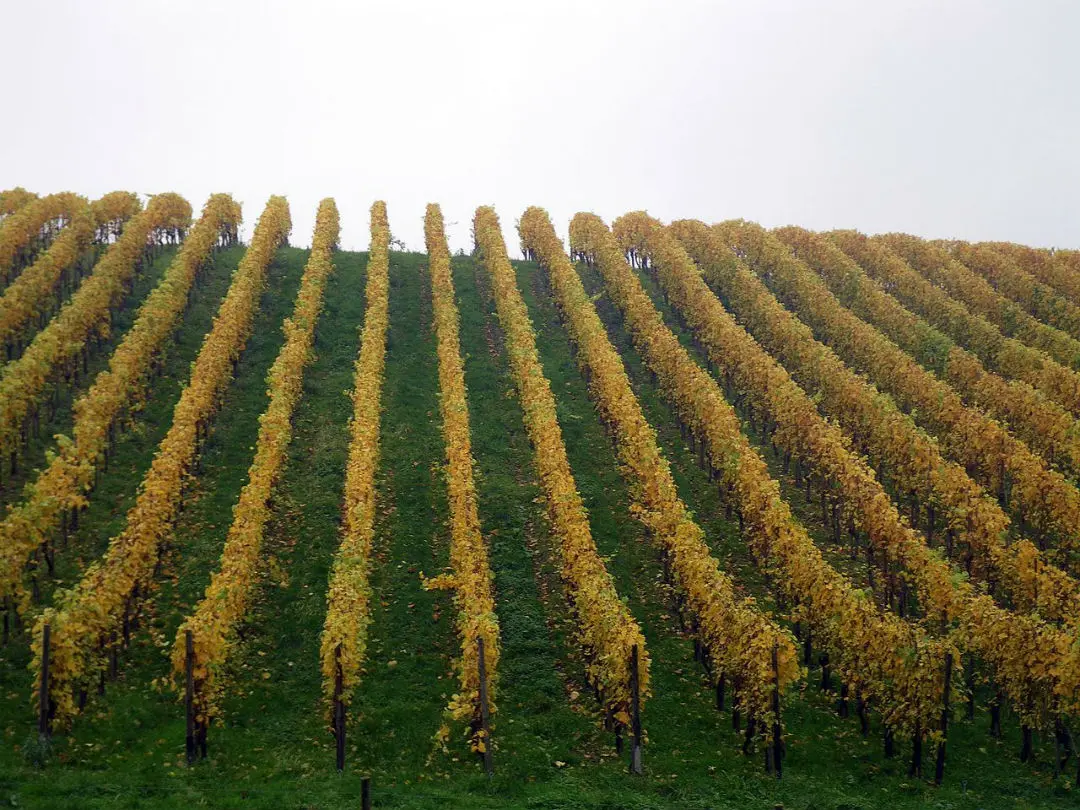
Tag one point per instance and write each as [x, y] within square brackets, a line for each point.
[663, 515]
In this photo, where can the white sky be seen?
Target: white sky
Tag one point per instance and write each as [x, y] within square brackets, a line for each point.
[951, 118]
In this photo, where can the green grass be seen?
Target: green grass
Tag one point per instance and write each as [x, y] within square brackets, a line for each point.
[273, 748]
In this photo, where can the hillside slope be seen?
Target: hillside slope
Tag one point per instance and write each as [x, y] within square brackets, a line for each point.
[274, 749]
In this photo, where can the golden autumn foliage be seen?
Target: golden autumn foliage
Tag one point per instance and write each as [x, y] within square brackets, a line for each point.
[964, 517]
[1059, 270]
[889, 662]
[1044, 503]
[947, 600]
[348, 615]
[32, 224]
[1014, 398]
[111, 212]
[471, 582]
[62, 486]
[1054, 353]
[55, 350]
[213, 621]
[606, 629]
[1005, 274]
[33, 293]
[12, 199]
[87, 614]
[739, 640]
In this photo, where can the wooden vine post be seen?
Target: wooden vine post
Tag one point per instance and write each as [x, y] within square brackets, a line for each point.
[43, 692]
[189, 695]
[1027, 750]
[916, 751]
[777, 738]
[635, 714]
[485, 713]
[339, 711]
[939, 767]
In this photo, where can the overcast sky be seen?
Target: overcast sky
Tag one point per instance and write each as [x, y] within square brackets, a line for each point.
[952, 119]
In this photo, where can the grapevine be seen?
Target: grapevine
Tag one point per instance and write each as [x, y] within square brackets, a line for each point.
[59, 491]
[942, 497]
[859, 640]
[795, 426]
[471, 580]
[348, 615]
[213, 622]
[32, 227]
[1006, 276]
[1058, 270]
[738, 638]
[607, 631]
[28, 300]
[57, 349]
[937, 265]
[13, 199]
[1043, 501]
[1035, 404]
[88, 614]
